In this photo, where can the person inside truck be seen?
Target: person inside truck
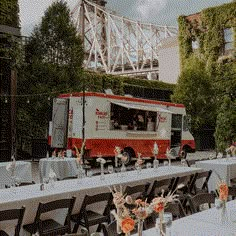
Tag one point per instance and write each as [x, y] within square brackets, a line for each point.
[139, 120]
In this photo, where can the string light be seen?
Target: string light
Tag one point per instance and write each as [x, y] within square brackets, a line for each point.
[6, 100]
[28, 101]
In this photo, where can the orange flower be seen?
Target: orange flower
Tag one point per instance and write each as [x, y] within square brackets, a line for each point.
[141, 212]
[138, 201]
[127, 225]
[223, 192]
[159, 207]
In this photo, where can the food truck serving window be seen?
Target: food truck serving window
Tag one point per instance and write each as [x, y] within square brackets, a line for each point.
[126, 116]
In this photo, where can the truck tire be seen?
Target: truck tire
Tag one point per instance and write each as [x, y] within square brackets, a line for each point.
[183, 154]
[129, 156]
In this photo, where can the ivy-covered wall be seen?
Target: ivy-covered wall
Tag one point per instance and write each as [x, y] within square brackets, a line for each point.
[207, 27]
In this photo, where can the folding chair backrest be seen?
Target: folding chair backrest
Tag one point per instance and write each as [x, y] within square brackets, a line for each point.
[88, 200]
[54, 205]
[13, 214]
[158, 185]
[202, 198]
[138, 190]
[176, 209]
[206, 175]
[185, 180]
[232, 192]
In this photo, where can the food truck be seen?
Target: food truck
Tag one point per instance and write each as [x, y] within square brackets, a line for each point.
[106, 121]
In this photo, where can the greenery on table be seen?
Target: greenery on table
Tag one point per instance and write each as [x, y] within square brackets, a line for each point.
[218, 69]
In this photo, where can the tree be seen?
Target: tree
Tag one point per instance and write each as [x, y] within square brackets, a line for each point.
[225, 85]
[53, 64]
[194, 89]
[9, 13]
[225, 133]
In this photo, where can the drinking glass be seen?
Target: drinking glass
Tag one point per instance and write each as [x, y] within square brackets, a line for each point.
[137, 167]
[90, 174]
[17, 181]
[183, 162]
[148, 165]
[155, 164]
[166, 163]
[168, 218]
[110, 169]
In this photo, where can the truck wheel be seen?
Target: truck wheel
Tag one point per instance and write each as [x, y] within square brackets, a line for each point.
[183, 154]
[128, 155]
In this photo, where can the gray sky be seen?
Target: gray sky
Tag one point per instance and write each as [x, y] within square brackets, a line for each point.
[162, 12]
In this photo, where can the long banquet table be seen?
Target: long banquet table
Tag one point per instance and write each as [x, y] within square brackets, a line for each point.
[222, 169]
[205, 223]
[30, 196]
[23, 171]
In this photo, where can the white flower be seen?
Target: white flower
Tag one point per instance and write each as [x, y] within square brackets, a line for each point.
[9, 166]
[101, 160]
[155, 149]
[117, 150]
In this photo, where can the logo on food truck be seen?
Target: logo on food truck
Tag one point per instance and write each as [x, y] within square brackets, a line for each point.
[162, 119]
[101, 114]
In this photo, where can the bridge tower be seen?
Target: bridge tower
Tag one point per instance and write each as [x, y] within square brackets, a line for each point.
[115, 44]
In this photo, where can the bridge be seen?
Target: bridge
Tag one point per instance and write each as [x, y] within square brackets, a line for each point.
[114, 44]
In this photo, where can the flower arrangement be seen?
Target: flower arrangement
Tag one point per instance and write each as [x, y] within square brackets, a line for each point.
[80, 154]
[138, 211]
[139, 160]
[155, 149]
[223, 191]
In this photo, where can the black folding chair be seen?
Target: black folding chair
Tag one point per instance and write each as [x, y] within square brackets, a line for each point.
[160, 185]
[87, 217]
[12, 214]
[138, 191]
[202, 177]
[50, 227]
[202, 198]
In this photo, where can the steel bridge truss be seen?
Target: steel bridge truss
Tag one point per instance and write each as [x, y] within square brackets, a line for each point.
[117, 45]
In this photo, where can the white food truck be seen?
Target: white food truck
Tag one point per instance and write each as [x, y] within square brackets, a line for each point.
[133, 124]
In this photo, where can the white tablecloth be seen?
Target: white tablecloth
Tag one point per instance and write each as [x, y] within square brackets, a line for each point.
[30, 196]
[205, 223]
[63, 167]
[222, 169]
[23, 171]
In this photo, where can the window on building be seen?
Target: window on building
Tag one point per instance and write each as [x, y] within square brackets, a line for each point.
[228, 38]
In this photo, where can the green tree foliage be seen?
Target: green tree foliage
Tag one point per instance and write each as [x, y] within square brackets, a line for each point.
[226, 123]
[194, 89]
[225, 84]
[53, 64]
[9, 13]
